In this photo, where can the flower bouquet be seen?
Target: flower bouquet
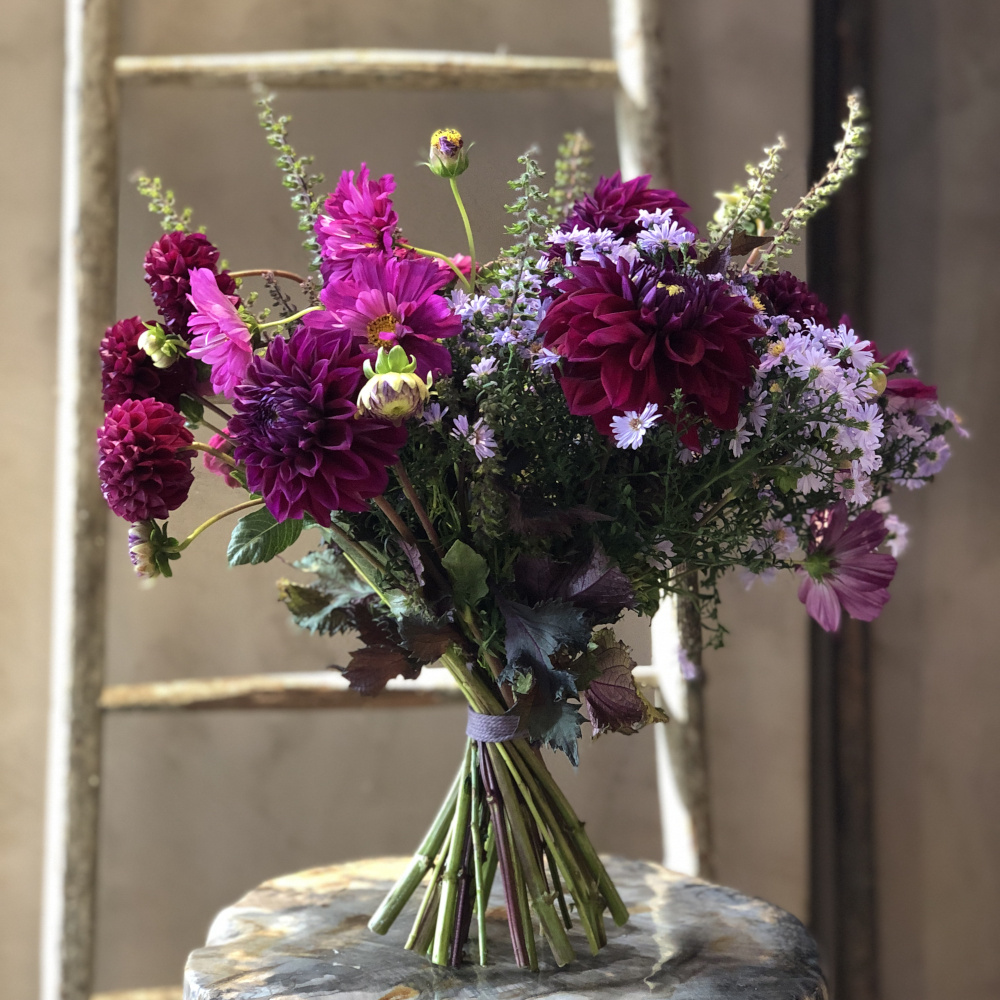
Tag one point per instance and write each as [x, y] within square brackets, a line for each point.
[498, 459]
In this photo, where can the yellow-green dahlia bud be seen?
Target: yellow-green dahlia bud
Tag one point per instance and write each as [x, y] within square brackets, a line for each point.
[151, 549]
[448, 156]
[877, 374]
[394, 391]
[163, 349]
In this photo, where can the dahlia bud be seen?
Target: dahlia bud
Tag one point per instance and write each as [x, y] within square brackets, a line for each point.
[393, 391]
[151, 549]
[162, 348]
[877, 375]
[448, 156]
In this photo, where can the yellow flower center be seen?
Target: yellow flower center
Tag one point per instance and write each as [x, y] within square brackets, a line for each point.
[386, 323]
[776, 349]
[755, 299]
[451, 136]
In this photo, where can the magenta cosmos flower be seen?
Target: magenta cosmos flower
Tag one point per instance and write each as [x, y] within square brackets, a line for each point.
[218, 336]
[388, 301]
[842, 568]
[168, 266]
[615, 204]
[630, 337]
[297, 433]
[144, 461]
[128, 372]
[357, 220]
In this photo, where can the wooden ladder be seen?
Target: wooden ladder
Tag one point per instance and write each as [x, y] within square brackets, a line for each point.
[79, 700]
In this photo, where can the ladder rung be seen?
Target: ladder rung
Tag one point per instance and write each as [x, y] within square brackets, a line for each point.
[319, 689]
[154, 993]
[367, 69]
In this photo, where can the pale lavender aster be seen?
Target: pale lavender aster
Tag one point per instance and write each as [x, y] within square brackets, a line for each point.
[749, 578]
[482, 369]
[690, 670]
[630, 429]
[433, 414]
[898, 540]
[664, 234]
[544, 359]
[658, 215]
[218, 336]
[853, 350]
[935, 456]
[740, 437]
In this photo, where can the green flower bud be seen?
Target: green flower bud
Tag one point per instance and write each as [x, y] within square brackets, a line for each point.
[877, 374]
[448, 156]
[393, 391]
[151, 549]
[162, 348]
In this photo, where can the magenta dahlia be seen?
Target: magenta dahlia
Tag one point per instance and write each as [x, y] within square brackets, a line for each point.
[785, 295]
[168, 265]
[842, 568]
[144, 461]
[388, 301]
[357, 220]
[128, 372]
[631, 335]
[219, 337]
[615, 205]
[297, 432]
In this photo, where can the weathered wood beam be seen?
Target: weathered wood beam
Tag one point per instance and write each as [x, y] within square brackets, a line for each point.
[373, 69]
[155, 993]
[89, 234]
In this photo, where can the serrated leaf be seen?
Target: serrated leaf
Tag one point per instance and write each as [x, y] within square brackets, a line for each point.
[467, 571]
[557, 725]
[372, 667]
[335, 575]
[259, 537]
[312, 609]
[427, 640]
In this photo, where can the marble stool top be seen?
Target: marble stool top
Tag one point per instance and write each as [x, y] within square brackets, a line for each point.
[306, 936]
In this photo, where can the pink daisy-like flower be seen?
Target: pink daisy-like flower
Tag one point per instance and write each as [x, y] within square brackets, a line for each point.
[842, 568]
[218, 336]
[389, 301]
[357, 220]
[144, 461]
[216, 465]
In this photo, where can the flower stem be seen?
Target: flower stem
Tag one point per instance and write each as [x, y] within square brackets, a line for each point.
[468, 231]
[447, 260]
[288, 319]
[217, 517]
[421, 511]
[397, 522]
[209, 450]
[291, 275]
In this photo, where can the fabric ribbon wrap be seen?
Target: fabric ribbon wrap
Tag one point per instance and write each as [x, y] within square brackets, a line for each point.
[495, 728]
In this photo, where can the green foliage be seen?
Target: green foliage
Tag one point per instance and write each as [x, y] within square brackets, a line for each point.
[258, 538]
[747, 207]
[529, 208]
[295, 175]
[467, 570]
[572, 176]
[163, 204]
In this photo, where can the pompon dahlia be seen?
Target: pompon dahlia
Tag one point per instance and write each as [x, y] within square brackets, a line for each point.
[357, 220]
[168, 265]
[786, 295]
[842, 568]
[144, 461]
[128, 372]
[297, 433]
[615, 204]
[387, 302]
[630, 336]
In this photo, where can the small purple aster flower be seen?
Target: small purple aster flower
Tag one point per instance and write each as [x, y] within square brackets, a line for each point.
[480, 436]
[218, 336]
[144, 461]
[631, 429]
[357, 220]
[388, 301]
[297, 433]
[842, 568]
[482, 369]
[168, 265]
[128, 372]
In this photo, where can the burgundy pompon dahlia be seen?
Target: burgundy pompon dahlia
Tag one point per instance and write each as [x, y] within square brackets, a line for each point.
[785, 295]
[615, 204]
[144, 460]
[357, 220]
[297, 433]
[128, 372]
[168, 265]
[631, 335]
[842, 568]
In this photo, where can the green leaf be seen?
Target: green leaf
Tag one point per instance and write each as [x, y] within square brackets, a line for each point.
[258, 538]
[312, 609]
[468, 571]
[556, 724]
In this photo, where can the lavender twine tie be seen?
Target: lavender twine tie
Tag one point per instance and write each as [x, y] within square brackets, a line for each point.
[494, 728]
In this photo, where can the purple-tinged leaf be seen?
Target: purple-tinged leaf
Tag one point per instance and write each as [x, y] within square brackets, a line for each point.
[534, 634]
[543, 521]
[557, 725]
[427, 640]
[372, 667]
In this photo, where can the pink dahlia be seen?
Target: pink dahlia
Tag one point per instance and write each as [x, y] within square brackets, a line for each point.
[388, 301]
[216, 465]
[144, 461]
[218, 336]
[297, 433]
[128, 372]
[842, 568]
[784, 295]
[357, 220]
[632, 336]
[615, 205]
[168, 265]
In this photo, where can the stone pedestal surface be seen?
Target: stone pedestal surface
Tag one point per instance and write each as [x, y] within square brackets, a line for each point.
[306, 936]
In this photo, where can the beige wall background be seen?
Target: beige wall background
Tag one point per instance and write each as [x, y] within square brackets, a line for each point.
[197, 809]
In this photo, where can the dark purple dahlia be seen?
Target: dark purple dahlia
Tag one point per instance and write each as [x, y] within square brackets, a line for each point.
[615, 204]
[167, 265]
[297, 433]
[784, 295]
[357, 220]
[144, 461]
[128, 372]
[630, 337]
